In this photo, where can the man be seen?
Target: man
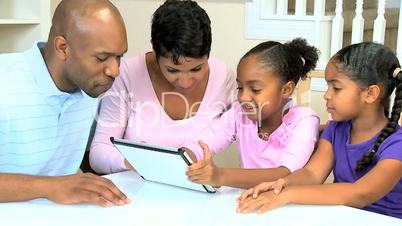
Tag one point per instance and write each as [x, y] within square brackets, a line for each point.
[46, 111]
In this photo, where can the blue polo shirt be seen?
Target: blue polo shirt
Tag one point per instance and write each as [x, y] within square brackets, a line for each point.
[43, 131]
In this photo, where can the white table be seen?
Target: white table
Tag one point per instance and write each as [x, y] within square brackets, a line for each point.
[162, 205]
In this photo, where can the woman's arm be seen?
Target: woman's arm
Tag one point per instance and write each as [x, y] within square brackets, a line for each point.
[218, 136]
[111, 122]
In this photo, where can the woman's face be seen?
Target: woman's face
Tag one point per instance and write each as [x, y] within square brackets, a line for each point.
[185, 75]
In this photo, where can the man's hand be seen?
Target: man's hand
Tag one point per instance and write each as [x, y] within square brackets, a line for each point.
[84, 188]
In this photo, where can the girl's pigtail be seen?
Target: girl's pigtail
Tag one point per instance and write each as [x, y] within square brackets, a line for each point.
[308, 55]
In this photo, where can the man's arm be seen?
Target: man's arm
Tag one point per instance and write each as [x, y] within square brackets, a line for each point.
[69, 189]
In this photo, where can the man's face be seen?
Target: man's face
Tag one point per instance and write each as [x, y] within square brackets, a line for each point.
[94, 57]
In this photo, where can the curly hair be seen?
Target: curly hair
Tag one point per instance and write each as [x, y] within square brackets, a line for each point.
[181, 28]
[292, 60]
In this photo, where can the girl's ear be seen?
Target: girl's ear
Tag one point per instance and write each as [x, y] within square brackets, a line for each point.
[287, 89]
[372, 93]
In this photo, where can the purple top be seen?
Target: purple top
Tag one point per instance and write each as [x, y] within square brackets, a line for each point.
[347, 155]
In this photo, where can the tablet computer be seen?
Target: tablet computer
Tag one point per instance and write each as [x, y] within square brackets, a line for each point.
[160, 164]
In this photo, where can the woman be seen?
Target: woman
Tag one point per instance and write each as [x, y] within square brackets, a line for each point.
[168, 95]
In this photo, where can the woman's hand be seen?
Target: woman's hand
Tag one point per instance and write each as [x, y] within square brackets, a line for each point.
[205, 171]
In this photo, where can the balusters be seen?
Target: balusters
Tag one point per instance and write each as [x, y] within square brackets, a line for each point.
[301, 7]
[319, 8]
[281, 7]
[379, 23]
[337, 28]
[358, 23]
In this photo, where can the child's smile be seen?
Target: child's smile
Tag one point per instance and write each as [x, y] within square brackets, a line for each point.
[248, 107]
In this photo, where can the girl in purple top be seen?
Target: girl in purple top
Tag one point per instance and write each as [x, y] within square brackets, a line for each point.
[274, 138]
[362, 145]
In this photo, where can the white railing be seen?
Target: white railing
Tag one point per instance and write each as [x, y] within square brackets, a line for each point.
[380, 23]
[358, 23]
[270, 19]
[301, 8]
[337, 28]
[273, 20]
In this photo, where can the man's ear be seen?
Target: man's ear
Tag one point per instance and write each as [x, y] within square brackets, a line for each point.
[61, 47]
[372, 93]
[287, 89]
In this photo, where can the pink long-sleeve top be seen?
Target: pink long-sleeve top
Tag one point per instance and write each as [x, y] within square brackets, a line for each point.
[290, 145]
[131, 110]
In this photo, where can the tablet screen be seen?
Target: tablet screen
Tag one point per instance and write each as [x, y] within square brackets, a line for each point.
[160, 164]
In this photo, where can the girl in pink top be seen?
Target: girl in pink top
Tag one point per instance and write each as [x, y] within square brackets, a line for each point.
[166, 96]
[274, 137]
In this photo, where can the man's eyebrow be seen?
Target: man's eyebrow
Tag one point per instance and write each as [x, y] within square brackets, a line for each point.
[109, 53]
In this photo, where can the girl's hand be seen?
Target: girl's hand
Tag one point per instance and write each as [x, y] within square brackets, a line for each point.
[205, 171]
[277, 186]
[265, 201]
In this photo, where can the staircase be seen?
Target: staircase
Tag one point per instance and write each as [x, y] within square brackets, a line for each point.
[369, 15]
